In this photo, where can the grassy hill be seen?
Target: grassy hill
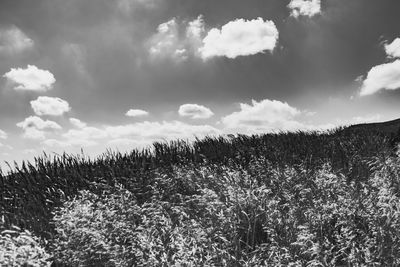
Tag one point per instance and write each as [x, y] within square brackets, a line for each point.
[390, 127]
[305, 198]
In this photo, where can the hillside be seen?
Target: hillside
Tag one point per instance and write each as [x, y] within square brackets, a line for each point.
[390, 127]
[299, 199]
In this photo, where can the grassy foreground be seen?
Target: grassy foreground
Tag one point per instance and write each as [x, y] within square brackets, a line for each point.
[288, 199]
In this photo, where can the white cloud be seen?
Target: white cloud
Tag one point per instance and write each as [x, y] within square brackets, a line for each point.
[86, 133]
[160, 131]
[35, 127]
[13, 40]
[136, 113]
[55, 143]
[38, 123]
[393, 49]
[195, 111]
[53, 106]
[177, 40]
[382, 77]
[240, 38]
[264, 116]
[77, 123]
[31, 79]
[3, 134]
[136, 134]
[305, 7]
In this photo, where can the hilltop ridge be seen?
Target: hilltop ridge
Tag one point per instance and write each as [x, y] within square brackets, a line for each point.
[391, 127]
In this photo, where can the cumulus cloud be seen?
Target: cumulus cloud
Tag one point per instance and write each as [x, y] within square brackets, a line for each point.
[264, 116]
[181, 39]
[77, 123]
[53, 106]
[177, 40]
[195, 111]
[13, 40]
[31, 79]
[3, 134]
[393, 49]
[240, 38]
[35, 127]
[136, 113]
[385, 76]
[307, 8]
[382, 77]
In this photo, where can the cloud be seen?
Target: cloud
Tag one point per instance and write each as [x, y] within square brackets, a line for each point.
[55, 143]
[77, 123]
[31, 79]
[177, 40]
[3, 134]
[307, 8]
[393, 49]
[166, 43]
[382, 77]
[13, 40]
[240, 38]
[76, 54]
[181, 39]
[53, 106]
[35, 127]
[195, 111]
[136, 113]
[264, 116]
[160, 131]
[137, 134]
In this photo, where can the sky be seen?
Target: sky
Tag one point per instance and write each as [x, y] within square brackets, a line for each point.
[121, 74]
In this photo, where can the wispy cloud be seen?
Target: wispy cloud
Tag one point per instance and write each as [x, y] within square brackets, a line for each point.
[3, 134]
[177, 39]
[13, 40]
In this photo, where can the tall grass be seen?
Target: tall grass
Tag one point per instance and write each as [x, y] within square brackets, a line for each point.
[301, 198]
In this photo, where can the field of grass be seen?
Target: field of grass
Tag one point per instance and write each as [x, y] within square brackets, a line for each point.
[285, 199]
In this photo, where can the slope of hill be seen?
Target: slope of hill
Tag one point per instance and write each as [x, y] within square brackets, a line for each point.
[299, 199]
[390, 127]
